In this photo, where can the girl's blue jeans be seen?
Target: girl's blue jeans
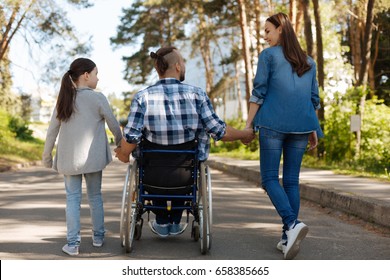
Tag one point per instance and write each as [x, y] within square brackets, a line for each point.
[286, 198]
[73, 187]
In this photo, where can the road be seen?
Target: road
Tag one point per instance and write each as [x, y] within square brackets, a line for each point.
[246, 226]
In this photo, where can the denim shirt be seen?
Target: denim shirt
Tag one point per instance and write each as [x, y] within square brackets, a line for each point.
[287, 101]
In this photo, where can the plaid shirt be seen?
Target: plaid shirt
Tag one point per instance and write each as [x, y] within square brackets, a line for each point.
[170, 113]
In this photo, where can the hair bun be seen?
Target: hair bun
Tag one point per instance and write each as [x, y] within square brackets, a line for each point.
[154, 55]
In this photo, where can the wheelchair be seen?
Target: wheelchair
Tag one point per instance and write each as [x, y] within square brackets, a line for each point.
[166, 173]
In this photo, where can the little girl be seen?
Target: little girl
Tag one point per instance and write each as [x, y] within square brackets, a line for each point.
[82, 149]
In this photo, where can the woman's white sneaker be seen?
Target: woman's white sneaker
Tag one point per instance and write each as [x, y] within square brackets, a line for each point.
[294, 238]
[281, 246]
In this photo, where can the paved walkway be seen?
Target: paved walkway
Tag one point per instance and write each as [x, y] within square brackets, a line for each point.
[368, 199]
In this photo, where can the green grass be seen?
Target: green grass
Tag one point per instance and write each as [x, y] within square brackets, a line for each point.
[17, 151]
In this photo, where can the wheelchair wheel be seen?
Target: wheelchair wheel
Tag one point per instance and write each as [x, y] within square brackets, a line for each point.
[124, 206]
[204, 220]
[131, 209]
[210, 204]
[209, 195]
[195, 232]
[138, 232]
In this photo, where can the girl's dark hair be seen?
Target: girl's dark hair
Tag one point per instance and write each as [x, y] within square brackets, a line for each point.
[68, 90]
[160, 63]
[291, 48]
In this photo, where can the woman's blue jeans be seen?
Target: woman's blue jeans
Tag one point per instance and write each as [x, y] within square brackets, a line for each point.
[73, 187]
[286, 198]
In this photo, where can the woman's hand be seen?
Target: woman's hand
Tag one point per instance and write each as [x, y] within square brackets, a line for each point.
[120, 155]
[249, 136]
[313, 140]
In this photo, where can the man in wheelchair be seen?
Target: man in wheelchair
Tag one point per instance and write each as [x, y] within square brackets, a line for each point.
[173, 113]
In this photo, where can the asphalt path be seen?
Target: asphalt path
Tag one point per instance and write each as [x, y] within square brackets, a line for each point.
[245, 224]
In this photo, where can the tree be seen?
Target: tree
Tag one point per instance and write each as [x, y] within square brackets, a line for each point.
[38, 22]
[361, 20]
[307, 27]
[320, 68]
[366, 46]
[147, 25]
[245, 49]
[42, 20]
[380, 65]
[202, 40]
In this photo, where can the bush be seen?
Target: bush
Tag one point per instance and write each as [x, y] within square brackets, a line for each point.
[6, 135]
[20, 128]
[340, 142]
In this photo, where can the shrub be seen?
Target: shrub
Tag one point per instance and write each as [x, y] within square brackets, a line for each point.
[5, 134]
[20, 128]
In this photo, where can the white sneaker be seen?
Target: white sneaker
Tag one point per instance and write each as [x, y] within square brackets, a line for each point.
[97, 241]
[176, 229]
[281, 246]
[70, 250]
[294, 237]
[161, 230]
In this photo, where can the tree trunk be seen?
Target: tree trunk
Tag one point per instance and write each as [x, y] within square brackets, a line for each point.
[320, 70]
[204, 47]
[258, 26]
[355, 35]
[293, 13]
[10, 31]
[270, 7]
[246, 50]
[371, 69]
[307, 30]
[363, 73]
[237, 82]
[366, 48]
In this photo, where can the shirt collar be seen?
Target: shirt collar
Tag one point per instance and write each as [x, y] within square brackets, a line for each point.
[168, 81]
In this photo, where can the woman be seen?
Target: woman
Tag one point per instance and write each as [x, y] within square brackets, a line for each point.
[82, 150]
[282, 108]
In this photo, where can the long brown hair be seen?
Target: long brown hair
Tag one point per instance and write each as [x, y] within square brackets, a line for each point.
[291, 48]
[68, 90]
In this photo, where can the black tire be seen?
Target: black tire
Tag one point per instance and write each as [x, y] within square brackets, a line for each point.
[195, 233]
[138, 232]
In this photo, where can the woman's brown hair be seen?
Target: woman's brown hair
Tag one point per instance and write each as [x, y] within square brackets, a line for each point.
[291, 48]
[68, 90]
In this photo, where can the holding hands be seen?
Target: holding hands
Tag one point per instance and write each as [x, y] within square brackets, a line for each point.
[248, 136]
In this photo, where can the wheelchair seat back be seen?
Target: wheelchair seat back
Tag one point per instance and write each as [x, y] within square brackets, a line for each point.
[168, 169]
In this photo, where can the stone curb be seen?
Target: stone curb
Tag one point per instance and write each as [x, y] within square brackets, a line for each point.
[368, 209]
[17, 166]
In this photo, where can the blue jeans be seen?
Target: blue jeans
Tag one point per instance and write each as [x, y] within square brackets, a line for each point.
[73, 189]
[286, 198]
[168, 217]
